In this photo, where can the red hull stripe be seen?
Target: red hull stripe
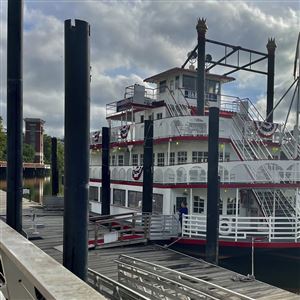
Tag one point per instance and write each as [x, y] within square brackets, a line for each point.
[204, 185]
[267, 245]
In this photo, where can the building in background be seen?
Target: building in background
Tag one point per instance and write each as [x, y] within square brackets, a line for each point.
[34, 130]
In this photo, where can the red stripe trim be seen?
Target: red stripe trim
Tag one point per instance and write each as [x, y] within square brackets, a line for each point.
[281, 245]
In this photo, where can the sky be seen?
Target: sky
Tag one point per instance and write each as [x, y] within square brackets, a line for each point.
[133, 40]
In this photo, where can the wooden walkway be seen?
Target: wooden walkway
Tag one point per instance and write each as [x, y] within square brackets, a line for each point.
[50, 235]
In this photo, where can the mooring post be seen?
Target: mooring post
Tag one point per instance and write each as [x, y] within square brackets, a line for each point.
[105, 191]
[14, 168]
[213, 188]
[271, 46]
[54, 168]
[77, 125]
[201, 31]
[148, 167]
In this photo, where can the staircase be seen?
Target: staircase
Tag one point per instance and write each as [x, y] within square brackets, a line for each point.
[177, 107]
[289, 145]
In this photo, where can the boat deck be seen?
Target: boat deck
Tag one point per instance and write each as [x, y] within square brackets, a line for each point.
[49, 235]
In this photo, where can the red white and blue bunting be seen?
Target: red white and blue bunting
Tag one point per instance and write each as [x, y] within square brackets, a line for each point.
[265, 129]
[124, 131]
[96, 137]
[137, 172]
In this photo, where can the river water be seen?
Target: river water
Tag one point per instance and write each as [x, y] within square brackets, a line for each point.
[275, 269]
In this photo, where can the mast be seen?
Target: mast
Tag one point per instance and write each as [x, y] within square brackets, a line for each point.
[297, 76]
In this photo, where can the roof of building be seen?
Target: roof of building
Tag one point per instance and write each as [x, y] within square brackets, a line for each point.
[36, 120]
[176, 71]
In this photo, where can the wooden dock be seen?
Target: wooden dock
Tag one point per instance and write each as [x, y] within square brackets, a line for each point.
[47, 234]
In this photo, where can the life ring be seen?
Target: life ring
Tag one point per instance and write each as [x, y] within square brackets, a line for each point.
[225, 226]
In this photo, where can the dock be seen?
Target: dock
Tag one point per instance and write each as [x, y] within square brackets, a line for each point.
[47, 234]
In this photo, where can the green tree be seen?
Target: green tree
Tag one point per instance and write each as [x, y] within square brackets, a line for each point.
[2, 141]
[28, 153]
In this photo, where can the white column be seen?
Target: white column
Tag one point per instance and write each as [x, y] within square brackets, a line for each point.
[169, 150]
[191, 201]
[236, 212]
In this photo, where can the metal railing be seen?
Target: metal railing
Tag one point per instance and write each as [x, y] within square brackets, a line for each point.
[158, 282]
[241, 228]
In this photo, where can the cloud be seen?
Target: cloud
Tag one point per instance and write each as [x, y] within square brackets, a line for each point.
[134, 40]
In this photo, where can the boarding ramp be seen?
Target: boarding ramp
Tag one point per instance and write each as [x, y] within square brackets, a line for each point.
[158, 282]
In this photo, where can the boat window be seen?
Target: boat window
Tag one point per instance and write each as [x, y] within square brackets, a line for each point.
[162, 86]
[142, 119]
[153, 159]
[157, 203]
[176, 82]
[172, 158]
[160, 159]
[199, 156]
[93, 193]
[159, 116]
[181, 157]
[198, 205]
[171, 85]
[113, 160]
[135, 199]
[231, 203]
[135, 158]
[212, 87]
[220, 206]
[189, 82]
[141, 159]
[120, 160]
[119, 197]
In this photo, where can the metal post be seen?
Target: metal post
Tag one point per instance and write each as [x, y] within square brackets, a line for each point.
[213, 188]
[271, 46]
[105, 191]
[77, 118]
[252, 257]
[54, 169]
[201, 31]
[148, 167]
[14, 114]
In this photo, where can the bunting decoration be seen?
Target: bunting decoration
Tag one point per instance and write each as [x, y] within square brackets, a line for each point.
[96, 137]
[265, 129]
[137, 172]
[124, 131]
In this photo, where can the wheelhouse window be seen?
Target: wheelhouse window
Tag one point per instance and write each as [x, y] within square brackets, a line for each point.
[160, 159]
[162, 86]
[182, 157]
[159, 116]
[135, 159]
[157, 203]
[172, 158]
[198, 205]
[119, 197]
[142, 119]
[189, 82]
[176, 82]
[135, 199]
[93, 193]
[120, 160]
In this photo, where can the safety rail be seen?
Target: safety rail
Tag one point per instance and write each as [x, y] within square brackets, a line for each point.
[158, 282]
[29, 273]
[111, 288]
[163, 227]
[241, 228]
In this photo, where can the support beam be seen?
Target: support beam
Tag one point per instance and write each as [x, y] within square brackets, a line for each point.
[148, 168]
[105, 191]
[54, 168]
[271, 46]
[14, 114]
[201, 31]
[77, 125]
[213, 188]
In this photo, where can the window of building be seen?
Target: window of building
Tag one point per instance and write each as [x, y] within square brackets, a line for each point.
[231, 203]
[159, 116]
[198, 205]
[135, 159]
[189, 82]
[227, 156]
[142, 119]
[141, 159]
[182, 157]
[160, 159]
[162, 86]
[113, 160]
[172, 158]
[199, 156]
[176, 82]
[93, 193]
[119, 197]
[157, 204]
[135, 199]
[120, 160]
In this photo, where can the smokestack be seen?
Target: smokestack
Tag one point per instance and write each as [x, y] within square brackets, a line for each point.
[77, 126]
[14, 114]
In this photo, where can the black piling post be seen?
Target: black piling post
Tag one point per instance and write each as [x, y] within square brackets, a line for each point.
[14, 114]
[213, 188]
[105, 191]
[77, 118]
[271, 46]
[54, 168]
[201, 31]
[148, 167]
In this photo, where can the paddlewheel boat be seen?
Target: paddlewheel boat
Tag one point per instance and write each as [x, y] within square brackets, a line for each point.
[259, 166]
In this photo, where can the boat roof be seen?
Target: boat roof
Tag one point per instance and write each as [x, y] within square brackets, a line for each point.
[176, 71]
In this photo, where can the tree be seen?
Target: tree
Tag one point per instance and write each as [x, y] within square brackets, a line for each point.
[3, 142]
[28, 153]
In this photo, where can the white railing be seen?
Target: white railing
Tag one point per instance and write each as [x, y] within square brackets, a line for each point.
[243, 228]
[163, 227]
[230, 172]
